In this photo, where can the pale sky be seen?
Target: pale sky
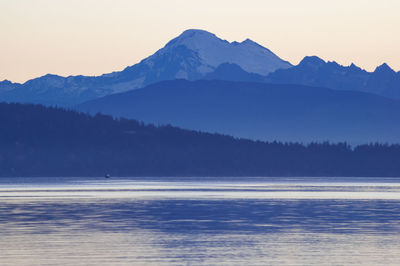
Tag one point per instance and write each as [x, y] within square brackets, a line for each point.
[92, 37]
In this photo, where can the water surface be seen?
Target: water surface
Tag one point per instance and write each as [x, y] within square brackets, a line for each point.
[257, 221]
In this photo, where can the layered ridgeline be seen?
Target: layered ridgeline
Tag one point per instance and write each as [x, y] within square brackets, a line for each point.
[192, 55]
[313, 71]
[42, 141]
[259, 110]
[359, 110]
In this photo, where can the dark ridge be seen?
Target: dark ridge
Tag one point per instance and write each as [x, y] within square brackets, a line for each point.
[43, 141]
[259, 110]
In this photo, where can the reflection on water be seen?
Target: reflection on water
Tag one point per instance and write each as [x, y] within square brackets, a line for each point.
[127, 222]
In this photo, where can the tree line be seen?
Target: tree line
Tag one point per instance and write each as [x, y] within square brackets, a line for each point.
[47, 141]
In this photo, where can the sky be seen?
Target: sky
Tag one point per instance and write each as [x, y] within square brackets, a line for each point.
[92, 37]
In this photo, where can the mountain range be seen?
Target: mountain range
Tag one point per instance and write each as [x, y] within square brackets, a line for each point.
[314, 71]
[198, 54]
[191, 56]
[199, 81]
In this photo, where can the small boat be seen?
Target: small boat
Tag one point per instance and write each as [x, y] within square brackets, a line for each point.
[107, 176]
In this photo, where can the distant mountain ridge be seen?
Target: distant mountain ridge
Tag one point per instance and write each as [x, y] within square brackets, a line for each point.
[313, 71]
[263, 111]
[191, 56]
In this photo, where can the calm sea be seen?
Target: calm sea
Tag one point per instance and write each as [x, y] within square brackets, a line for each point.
[246, 221]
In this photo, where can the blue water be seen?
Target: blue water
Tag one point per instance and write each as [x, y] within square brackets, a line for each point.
[257, 221]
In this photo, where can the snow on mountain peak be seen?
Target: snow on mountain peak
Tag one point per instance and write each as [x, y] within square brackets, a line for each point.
[196, 33]
[214, 51]
[195, 39]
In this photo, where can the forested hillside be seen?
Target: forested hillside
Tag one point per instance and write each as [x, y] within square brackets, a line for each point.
[43, 141]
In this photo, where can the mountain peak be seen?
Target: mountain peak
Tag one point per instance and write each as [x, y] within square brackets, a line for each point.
[249, 41]
[7, 85]
[312, 60]
[354, 68]
[191, 36]
[213, 51]
[352, 65]
[191, 32]
[6, 81]
[384, 68]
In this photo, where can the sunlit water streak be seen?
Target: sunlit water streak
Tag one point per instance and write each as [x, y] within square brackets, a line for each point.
[292, 221]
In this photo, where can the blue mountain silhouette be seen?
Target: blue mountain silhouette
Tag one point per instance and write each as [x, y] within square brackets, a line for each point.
[313, 71]
[259, 110]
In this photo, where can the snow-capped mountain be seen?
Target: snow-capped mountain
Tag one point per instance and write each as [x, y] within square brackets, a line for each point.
[211, 52]
[189, 56]
[192, 55]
